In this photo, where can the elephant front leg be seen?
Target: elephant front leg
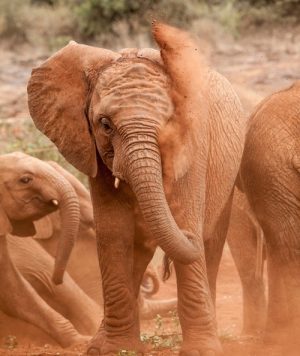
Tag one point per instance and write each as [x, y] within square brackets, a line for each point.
[119, 329]
[196, 310]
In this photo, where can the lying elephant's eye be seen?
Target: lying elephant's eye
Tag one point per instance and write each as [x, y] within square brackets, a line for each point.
[25, 179]
[106, 125]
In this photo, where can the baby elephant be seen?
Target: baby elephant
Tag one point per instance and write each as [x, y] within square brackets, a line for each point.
[31, 189]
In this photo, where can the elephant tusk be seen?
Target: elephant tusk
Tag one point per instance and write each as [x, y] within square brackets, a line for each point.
[54, 202]
[117, 183]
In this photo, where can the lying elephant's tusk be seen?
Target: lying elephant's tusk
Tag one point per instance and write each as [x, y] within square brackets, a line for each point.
[54, 202]
[117, 182]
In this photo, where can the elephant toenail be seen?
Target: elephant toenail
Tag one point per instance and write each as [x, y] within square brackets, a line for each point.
[92, 351]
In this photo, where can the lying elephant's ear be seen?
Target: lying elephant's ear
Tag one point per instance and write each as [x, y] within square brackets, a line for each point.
[58, 93]
[5, 225]
[188, 73]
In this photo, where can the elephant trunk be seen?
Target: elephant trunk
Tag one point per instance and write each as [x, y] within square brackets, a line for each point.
[144, 175]
[70, 217]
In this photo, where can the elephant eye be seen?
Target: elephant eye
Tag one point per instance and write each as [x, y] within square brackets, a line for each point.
[106, 125]
[25, 179]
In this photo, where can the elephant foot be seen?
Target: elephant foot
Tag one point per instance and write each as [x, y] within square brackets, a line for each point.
[67, 340]
[109, 345]
[210, 348]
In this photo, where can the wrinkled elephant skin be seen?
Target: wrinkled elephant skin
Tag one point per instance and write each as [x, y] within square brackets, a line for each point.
[270, 174]
[160, 136]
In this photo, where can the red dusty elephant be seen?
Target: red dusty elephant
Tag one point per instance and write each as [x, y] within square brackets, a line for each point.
[160, 136]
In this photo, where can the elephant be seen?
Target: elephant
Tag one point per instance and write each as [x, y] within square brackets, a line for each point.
[31, 189]
[160, 136]
[270, 178]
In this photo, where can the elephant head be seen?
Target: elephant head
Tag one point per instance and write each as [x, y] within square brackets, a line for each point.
[31, 189]
[127, 108]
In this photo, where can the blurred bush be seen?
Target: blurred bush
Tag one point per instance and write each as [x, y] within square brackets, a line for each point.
[55, 22]
[96, 16]
[37, 22]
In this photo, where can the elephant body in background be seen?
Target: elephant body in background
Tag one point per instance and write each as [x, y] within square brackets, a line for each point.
[270, 176]
[161, 138]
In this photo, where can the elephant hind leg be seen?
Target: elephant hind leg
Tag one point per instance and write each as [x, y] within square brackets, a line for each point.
[27, 305]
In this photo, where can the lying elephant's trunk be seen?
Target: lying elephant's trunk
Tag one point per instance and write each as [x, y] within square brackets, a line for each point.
[70, 216]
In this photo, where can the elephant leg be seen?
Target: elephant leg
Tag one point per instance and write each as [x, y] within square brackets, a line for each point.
[196, 310]
[115, 231]
[68, 299]
[19, 299]
[143, 254]
[242, 240]
[148, 308]
[278, 316]
[214, 248]
[213, 254]
[283, 319]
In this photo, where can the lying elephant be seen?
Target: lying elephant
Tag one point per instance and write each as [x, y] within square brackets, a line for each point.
[31, 189]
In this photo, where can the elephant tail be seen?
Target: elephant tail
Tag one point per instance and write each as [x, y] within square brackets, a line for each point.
[167, 268]
[239, 183]
[259, 269]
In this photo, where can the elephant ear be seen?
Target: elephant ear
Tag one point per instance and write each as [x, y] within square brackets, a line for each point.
[188, 72]
[5, 225]
[58, 94]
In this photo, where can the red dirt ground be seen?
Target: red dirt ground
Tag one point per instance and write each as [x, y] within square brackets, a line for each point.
[229, 314]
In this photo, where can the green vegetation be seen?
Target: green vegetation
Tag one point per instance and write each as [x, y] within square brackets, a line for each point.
[55, 22]
[167, 334]
[10, 342]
